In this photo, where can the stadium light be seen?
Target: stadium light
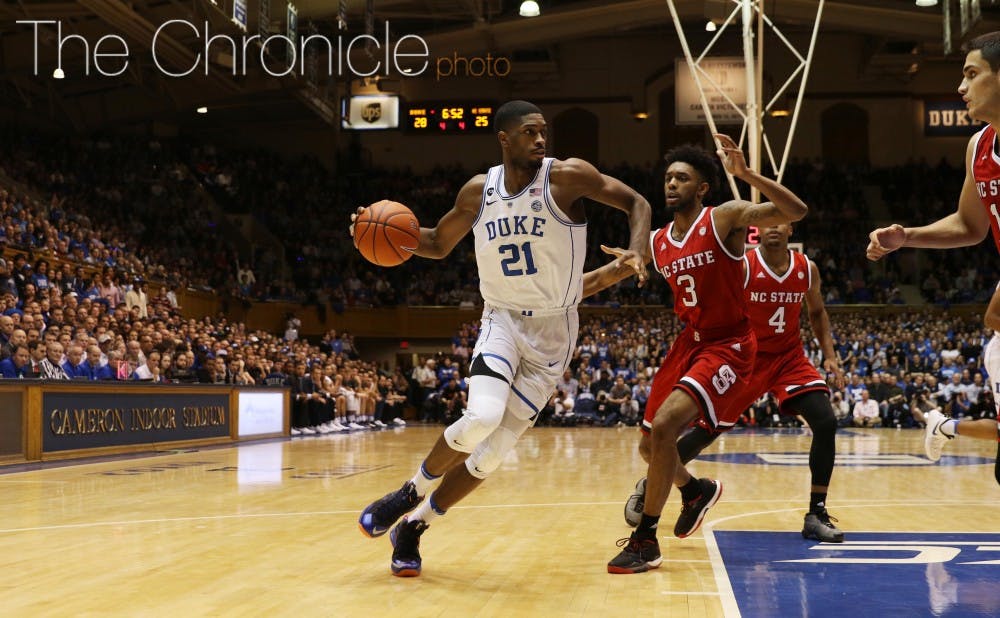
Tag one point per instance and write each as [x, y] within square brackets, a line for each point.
[710, 26]
[927, 3]
[58, 73]
[530, 8]
[202, 110]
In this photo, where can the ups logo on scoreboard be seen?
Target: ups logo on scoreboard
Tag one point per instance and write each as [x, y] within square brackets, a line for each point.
[372, 112]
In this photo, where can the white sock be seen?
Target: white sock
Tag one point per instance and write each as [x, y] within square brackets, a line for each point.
[424, 481]
[949, 427]
[426, 512]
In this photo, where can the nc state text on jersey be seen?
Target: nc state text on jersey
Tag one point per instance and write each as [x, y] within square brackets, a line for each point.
[777, 297]
[688, 262]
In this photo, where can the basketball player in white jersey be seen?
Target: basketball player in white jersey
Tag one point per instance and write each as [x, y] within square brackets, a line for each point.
[530, 240]
[977, 213]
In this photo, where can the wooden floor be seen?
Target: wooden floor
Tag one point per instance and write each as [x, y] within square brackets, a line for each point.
[269, 529]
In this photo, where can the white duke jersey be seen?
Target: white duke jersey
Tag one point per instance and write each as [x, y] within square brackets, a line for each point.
[530, 255]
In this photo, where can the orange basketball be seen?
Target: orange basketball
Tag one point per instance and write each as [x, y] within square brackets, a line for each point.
[386, 233]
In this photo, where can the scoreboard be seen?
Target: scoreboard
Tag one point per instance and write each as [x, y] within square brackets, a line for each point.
[450, 118]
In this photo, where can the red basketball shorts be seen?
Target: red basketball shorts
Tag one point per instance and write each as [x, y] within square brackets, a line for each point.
[716, 374]
[786, 375]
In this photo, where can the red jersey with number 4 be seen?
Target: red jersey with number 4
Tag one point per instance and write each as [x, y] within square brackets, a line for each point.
[707, 280]
[776, 300]
[986, 173]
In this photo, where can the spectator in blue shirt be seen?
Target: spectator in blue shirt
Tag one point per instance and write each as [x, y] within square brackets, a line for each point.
[40, 278]
[623, 371]
[17, 365]
[92, 369]
[74, 359]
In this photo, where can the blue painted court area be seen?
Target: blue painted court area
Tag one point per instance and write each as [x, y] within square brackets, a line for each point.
[845, 459]
[872, 574]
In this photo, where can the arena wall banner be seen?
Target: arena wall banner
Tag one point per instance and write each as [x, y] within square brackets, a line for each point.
[948, 118]
[82, 420]
[240, 14]
[724, 81]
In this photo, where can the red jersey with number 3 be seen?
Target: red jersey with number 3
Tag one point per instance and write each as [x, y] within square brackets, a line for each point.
[986, 173]
[707, 280]
[776, 300]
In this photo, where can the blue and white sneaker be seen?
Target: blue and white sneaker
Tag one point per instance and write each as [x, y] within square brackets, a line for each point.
[379, 516]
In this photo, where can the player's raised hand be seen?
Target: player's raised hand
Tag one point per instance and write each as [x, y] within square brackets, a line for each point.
[731, 155]
[628, 257]
[884, 241]
[354, 216]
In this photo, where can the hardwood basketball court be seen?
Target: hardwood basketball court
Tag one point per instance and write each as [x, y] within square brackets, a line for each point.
[270, 528]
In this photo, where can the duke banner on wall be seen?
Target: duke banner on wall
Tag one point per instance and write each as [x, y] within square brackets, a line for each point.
[90, 420]
[948, 118]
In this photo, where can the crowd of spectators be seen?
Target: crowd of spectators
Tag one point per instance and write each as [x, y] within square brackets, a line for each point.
[88, 328]
[74, 327]
[138, 206]
[900, 363]
[120, 212]
[130, 204]
[313, 206]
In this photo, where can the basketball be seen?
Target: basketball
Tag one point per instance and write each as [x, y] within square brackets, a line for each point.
[386, 233]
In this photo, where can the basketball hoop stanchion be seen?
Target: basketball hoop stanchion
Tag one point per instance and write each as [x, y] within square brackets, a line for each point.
[752, 129]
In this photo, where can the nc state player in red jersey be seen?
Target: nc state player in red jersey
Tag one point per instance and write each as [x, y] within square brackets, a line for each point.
[778, 280]
[706, 372]
[976, 215]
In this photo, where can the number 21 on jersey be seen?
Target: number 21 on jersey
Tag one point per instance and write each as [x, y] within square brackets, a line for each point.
[514, 257]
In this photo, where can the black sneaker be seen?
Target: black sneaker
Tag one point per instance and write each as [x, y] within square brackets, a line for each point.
[694, 511]
[405, 539]
[635, 504]
[819, 526]
[639, 556]
[379, 516]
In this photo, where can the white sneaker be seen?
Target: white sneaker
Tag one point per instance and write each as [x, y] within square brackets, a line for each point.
[635, 504]
[295, 431]
[309, 431]
[337, 426]
[323, 429]
[398, 421]
[380, 424]
[933, 438]
[355, 426]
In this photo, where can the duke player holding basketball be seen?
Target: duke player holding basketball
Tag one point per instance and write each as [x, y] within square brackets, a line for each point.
[706, 373]
[530, 242]
[778, 280]
[976, 215]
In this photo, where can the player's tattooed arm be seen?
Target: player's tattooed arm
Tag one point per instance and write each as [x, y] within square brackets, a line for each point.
[783, 207]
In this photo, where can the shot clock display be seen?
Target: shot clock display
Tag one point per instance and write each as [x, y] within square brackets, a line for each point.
[756, 234]
[449, 118]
